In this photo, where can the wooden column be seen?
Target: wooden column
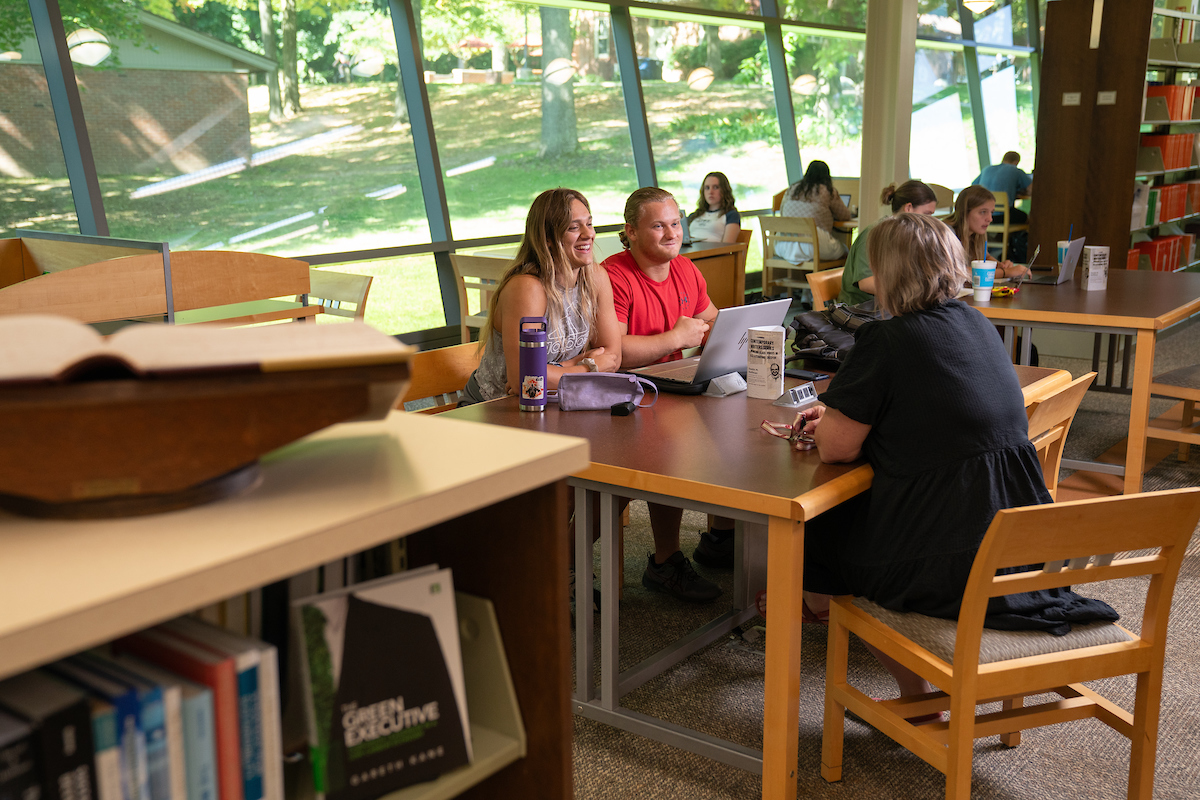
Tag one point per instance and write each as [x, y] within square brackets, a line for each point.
[1087, 153]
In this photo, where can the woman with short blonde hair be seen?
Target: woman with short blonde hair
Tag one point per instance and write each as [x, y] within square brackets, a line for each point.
[918, 263]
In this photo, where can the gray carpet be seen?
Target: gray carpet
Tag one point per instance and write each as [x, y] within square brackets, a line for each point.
[720, 690]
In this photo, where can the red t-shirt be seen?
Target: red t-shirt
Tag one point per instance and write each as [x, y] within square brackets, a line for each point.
[648, 307]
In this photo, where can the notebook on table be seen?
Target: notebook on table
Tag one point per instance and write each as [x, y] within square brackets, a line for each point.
[724, 352]
[1066, 270]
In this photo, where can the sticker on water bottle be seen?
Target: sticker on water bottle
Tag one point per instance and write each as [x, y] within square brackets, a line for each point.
[533, 387]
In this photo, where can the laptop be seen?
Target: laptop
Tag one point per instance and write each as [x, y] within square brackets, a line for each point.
[687, 234]
[1066, 271]
[724, 352]
[845, 199]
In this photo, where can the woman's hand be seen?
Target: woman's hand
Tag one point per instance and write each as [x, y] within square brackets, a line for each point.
[605, 362]
[812, 418]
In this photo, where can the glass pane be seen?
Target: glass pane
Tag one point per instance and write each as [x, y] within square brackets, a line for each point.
[188, 151]
[938, 19]
[736, 6]
[942, 146]
[711, 109]
[1008, 107]
[827, 95]
[404, 294]
[848, 13]
[525, 106]
[1004, 23]
[34, 191]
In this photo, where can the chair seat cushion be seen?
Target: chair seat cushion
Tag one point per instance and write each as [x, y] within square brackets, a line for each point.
[938, 635]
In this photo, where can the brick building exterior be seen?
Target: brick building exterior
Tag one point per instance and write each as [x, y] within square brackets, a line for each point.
[175, 104]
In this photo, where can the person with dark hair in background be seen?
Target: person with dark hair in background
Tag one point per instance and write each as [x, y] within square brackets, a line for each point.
[858, 282]
[715, 219]
[814, 196]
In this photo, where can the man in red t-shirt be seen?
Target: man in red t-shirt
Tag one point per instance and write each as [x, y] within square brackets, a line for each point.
[662, 308]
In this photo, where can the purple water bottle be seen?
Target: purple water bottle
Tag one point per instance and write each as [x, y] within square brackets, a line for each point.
[532, 392]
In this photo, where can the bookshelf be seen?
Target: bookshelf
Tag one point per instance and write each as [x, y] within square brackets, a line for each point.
[489, 501]
[1167, 197]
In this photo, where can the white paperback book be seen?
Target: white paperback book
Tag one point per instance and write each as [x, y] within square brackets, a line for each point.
[764, 362]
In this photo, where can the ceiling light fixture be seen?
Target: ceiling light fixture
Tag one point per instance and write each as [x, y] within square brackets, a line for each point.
[88, 47]
[977, 6]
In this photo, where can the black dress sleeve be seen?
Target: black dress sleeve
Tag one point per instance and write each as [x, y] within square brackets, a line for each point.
[863, 383]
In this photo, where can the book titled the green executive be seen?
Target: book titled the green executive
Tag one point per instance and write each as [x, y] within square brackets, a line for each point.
[386, 699]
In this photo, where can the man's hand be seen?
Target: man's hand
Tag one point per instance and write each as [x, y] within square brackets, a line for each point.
[690, 332]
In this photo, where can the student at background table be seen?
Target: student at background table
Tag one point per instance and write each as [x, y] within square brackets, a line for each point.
[552, 276]
[715, 219]
[909, 543]
[662, 308]
[972, 214]
[814, 196]
[858, 282]
[1007, 177]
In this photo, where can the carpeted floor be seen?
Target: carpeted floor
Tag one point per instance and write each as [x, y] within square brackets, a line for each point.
[720, 690]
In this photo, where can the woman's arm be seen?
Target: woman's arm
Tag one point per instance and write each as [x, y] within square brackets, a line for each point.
[732, 230]
[839, 438]
[838, 208]
[524, 296]
[607, 333]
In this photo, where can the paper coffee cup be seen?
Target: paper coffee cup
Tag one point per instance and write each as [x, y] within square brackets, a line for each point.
[983, 277]
[1063, 246]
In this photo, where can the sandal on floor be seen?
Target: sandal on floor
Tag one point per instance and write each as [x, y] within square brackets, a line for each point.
[806, 614]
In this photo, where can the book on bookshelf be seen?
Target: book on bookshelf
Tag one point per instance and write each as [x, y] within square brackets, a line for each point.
[18, 770]
[61, 719]
[386, 699]
[209, 669]
[107, 760]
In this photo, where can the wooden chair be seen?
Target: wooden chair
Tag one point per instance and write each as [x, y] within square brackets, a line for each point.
[1050, 420]
[339, 293]
[825, 286]
[944, 195]
[1180, 384]
[1006, 227]
[777, 201]
[440, 374]
[974, 665]
[477, 275]
[781, 272]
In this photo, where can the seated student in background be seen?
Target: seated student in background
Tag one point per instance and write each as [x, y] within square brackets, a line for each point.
[858, 282]
[908, 544]
[1007, 177]
[552, 276]
[662, 308]
[972, 214]
[715, 218]
[814, 196]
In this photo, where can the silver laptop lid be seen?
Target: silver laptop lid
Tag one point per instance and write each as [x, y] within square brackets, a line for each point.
[725, 350]
[687, 234]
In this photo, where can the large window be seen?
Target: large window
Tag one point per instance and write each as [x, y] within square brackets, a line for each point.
[827, 95]
[942, 148]
[34, 190]
[524, 103]
[711, 108]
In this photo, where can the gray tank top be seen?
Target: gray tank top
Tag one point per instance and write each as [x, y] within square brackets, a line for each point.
[564, 341]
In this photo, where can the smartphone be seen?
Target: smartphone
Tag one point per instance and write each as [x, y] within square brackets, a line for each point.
[806, 375]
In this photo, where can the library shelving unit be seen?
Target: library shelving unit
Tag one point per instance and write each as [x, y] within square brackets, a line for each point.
[1173, 59]
[489, 502]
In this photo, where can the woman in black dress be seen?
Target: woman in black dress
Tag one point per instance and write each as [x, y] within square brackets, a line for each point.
[930, 399]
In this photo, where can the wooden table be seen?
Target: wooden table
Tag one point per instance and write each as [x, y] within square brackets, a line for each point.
[490, 504]
[707, 454]
[723, 266]
[1136, 303]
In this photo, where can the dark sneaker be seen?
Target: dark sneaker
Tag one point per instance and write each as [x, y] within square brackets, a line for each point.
[595, 594]
[714, 551]
[676, 577]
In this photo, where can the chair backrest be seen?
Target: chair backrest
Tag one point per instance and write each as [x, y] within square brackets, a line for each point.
[1002, 205]
[777, 230]
[1076, 541]
[340, 293]
[825, 286]
[744, 235]
[439, 374]
[1050, 420]
[777, 201]
[476, 275]
[944, 195]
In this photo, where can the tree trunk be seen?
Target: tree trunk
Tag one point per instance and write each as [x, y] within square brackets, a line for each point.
[712, 58]
[559, 134]
[266, 18]
[290, 83]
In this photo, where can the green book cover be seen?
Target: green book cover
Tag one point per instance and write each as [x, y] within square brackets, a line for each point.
[387, 705]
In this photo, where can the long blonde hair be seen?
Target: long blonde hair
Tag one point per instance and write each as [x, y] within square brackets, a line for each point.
[918, 262]
[543, 256]
[969, 199]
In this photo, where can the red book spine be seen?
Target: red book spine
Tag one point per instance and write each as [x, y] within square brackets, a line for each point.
[1132, 259]
[221, 677]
